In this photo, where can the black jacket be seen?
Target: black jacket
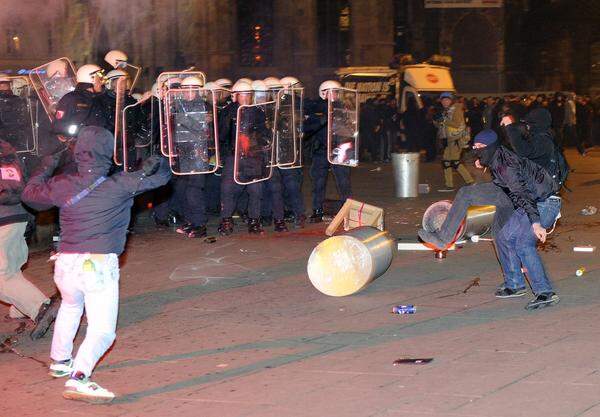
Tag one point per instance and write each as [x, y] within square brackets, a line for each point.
[98, 222]
[524, 181]
[12, 182]
[537, 142]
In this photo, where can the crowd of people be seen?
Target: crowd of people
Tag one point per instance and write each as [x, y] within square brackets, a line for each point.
[384, 129]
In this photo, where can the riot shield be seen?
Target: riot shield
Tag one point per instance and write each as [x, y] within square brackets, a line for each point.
[52, 81]
[119, 144]
[138, 133]
[342, 127]
[192, 131]
[167, 81]
[254, 140]
[18, 125]
[288, 128]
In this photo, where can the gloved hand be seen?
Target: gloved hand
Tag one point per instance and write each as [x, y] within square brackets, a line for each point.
[151, 165]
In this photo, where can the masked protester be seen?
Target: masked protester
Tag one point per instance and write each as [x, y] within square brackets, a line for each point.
[531, 190]
[95, 210]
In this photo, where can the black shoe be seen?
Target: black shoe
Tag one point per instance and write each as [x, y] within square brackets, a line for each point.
[432, 239]
[288, 216]
[184, 229]
[543, 300]
[46, 317]
[299, 222]
[254, 227]
[226, 226]
[280, 226]
[510, 293]
[266, 221]
[317, 216]
[196, 232]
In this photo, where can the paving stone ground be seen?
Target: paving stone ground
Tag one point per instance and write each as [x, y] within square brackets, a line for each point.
[235, 329]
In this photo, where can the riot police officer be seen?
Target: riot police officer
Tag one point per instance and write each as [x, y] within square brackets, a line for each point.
[79, 108]
[316, 127]
[194, 198]
[230, 190]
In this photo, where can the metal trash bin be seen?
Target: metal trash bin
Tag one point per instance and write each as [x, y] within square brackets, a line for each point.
[344, 265]
[406, 174]
[478, 220]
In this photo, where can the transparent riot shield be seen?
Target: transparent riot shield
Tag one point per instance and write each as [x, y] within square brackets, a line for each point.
[138, 133]
[18, 124]
[288, 128]
[52, 81]
[342, 127]
[192, 131]
[119, 144]
[254, 143]
[167, 81]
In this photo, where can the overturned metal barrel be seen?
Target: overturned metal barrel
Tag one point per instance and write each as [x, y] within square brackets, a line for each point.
[478, 220]
[344, 265]
[406, 174]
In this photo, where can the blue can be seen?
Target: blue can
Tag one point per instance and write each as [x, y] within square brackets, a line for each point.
[407, 309]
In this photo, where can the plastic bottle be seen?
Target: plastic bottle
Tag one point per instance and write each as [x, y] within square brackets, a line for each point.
[407, 309]
[580, 271]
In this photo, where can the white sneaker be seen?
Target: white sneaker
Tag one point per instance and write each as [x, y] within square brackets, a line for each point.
[86, 390]
[61, 369]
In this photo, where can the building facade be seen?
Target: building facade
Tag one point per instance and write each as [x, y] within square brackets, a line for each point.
[515, 47]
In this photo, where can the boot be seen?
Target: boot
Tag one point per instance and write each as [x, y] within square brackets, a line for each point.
[196, 232]
[317, 216]
[226, 226]
[254, 227]
[266, 220]
[299, 222]
[280, 226]
[46, 317]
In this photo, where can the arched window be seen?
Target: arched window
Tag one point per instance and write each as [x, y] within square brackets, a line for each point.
[474, 42]
[255, 32]
[334, 30]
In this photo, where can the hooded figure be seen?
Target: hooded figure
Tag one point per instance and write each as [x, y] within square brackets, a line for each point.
[533, 138]
[95, 210]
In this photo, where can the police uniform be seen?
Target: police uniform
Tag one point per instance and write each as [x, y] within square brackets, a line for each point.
[230, 190]
[192, 138]
[79, 108]
[316, 126]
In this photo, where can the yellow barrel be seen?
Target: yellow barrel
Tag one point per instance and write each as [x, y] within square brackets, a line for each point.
[344, 265]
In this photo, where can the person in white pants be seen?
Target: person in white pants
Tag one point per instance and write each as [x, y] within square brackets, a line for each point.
[95, 210]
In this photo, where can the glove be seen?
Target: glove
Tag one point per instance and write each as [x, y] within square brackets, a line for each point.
[151, 165]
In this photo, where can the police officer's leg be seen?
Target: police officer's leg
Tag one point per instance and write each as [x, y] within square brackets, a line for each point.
[342, 180]
[318, 173]
[463, 171]
[254, 199]
[212, 191]
[266, 203]
[292, 184]
[230, 191]
[276, 191]
[196, 206]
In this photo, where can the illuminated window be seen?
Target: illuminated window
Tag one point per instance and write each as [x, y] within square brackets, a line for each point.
[13, 42]
[255, 31]
[334, 32]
